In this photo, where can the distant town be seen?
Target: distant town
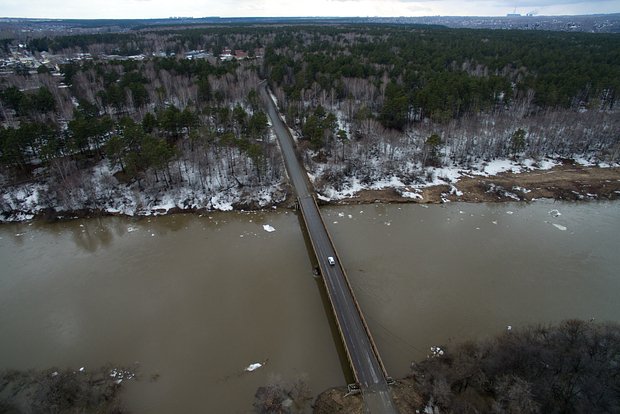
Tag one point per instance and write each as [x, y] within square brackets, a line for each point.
[18, 59]
[596, 23]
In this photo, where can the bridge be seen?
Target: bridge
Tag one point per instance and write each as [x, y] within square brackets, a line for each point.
[368, 369]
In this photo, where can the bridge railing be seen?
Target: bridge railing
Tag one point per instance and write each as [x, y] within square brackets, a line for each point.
[375, 350]
[331, 302]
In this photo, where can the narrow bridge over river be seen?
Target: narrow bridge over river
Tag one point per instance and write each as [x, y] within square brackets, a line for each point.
[362, 353]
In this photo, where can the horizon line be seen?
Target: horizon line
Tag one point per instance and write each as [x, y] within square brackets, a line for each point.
[300, 17]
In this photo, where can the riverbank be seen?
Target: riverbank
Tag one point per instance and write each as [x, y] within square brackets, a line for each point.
[63, 391]
[502, 374]
[336, 400]
[568, 180]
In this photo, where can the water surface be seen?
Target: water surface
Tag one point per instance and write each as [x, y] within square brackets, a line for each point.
[194, 300]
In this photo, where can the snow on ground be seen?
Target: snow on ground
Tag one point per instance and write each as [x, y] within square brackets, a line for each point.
[593, 162]
[102, 192]
[500, 166]
[433, 176]
[274, 98]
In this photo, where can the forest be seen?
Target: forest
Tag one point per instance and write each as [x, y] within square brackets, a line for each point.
[406, 99]
[367, 102]
[567, 368]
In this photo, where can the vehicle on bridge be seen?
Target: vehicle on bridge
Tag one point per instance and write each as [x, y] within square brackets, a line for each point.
[331, 261]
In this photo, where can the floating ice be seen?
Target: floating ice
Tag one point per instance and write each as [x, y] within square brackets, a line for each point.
[559, 227]
[509, 328]
[555, 213]
[268, 228]
[436, 351]
[81, 369]
[510, 213]
[131, 229]
[494, 222]
[340, 214]
[253, 367]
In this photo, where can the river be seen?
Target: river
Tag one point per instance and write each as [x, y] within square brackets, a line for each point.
[191, 301]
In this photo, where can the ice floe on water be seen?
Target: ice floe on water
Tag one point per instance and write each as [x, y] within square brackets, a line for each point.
[555, 213]
[436, 351]
[559, 227]
[510, 213]
[268, 228]
[253, 367]
[121, 374]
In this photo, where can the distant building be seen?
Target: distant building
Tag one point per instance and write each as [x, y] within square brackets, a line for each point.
[197, 54]
[240, 54]
[226, 54]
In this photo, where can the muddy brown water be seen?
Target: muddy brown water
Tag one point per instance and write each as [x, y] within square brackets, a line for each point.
[194, 300]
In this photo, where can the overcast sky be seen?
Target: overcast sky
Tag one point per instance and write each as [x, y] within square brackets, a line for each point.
[91, 9]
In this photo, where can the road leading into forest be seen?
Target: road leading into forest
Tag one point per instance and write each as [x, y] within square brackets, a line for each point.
[361, 351]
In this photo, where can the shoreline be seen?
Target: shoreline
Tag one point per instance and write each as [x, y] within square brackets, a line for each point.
[567, 182]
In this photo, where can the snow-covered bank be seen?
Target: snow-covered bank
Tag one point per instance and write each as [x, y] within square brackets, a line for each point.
[102, 193]
[498, 180]
[426, 177]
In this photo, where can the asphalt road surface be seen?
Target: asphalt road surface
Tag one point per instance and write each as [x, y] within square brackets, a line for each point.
[364, 362]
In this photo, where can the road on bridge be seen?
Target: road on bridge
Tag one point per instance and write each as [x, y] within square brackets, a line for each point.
[363, 358]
